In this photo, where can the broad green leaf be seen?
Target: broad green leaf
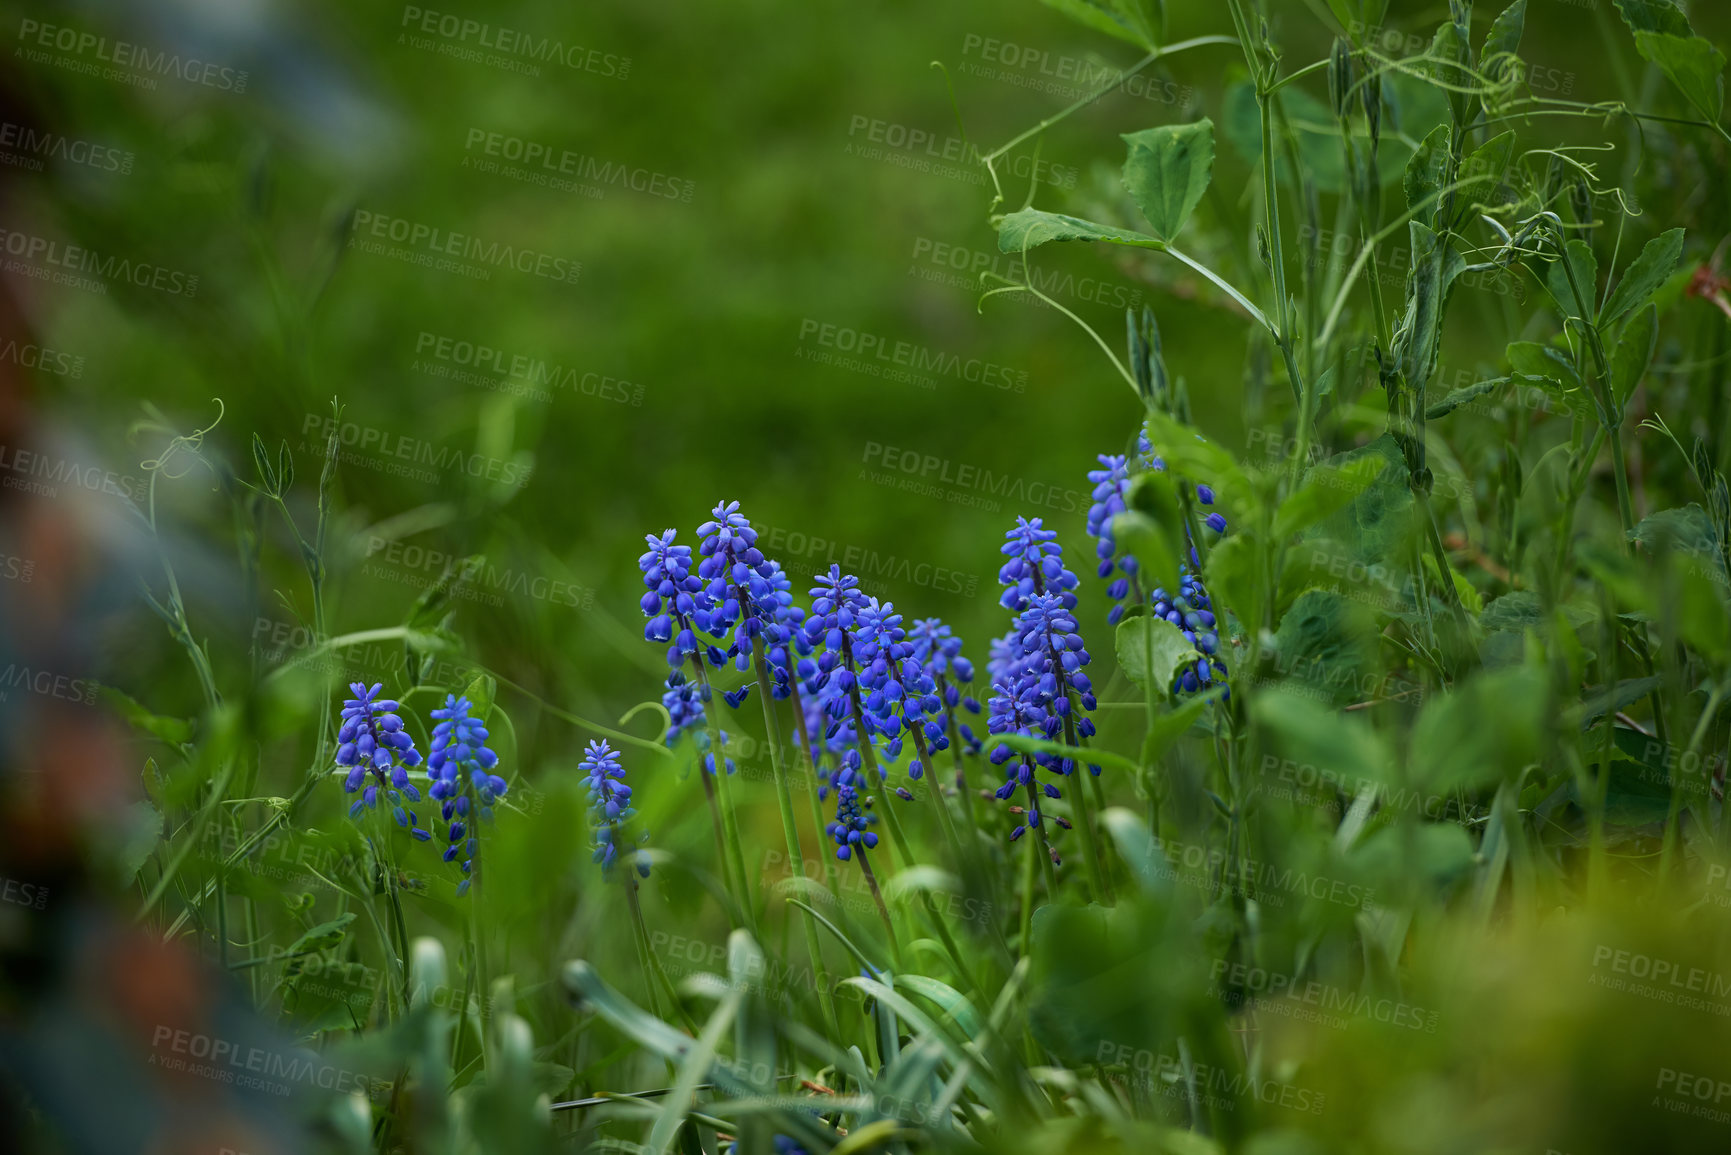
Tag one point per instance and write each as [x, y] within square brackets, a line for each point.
[1031, 228]
[1153, 529]
[1101, 974]
[1503, 40]
[1167, 728]
[1481, 174]
[1435, 265]
[1576, 298]
[955, 1005]
[1023, 744]
[174, 731]
[1143, 639]
[1195, 459]
[1450, 52]
[1644, 275]
[1326, 647]
[1694, 65]
[1377, 525]
[1455, 398]
[1127, 20]
[1309, 732]
[1327, 489]
[1233, 580]
[1549, 368]
[1481, 732]
[1634, 353]
[1427, 171]
[1167, 170]
[1655, 16]
[321, 937]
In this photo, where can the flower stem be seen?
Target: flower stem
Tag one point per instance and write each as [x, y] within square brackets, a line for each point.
[877, 896]
[790, 829]
[734, 858]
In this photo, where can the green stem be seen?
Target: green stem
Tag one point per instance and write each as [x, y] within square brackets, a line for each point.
[790, 830]
[735, 858]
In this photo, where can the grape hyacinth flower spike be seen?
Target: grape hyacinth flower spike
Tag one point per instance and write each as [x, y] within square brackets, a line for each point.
[609, 803]
[671, 603]
[740, 603]
[372, 741]
[463, 780]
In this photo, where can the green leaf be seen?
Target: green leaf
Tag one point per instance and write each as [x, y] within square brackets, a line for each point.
[1503, 40]
[1127, 20]
[1167, 728]
[1435, 265]
[1023, 744]
[1153, 529]
[1316, 736]
[1655, 16]
[1643, 277]
[1167, 170]
[174, 731]
[321, 937]
[1233, 570]
[955, 1005]
[1143, 639]
[262, 461]
[1377, 525]
[1482, 732]
[1481, 173]
[1455, 398]
[1634, 353]
[1326, 490]
[1694, 65]
[1427, 170]
[1576, 299]
[1326, 644]
[1549, 368]
[1031, 228]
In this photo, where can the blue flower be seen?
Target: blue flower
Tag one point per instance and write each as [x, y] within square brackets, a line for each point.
[939, 653]
[609, 803]
[671, 603]
[1190, 610]
[850, 826]
[371, 740]
[784, 637]
[739, 597]
[686, 715]
[1036, 566]
[463, 780]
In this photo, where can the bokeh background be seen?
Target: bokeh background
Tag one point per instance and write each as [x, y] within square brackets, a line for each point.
[690, 258]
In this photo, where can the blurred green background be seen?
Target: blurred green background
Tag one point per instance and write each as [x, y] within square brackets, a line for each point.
[780, 231]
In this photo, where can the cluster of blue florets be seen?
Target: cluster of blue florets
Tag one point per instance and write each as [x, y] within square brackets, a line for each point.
[464, 784]
[378, 751]
[1190, 608]
[609, 803]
